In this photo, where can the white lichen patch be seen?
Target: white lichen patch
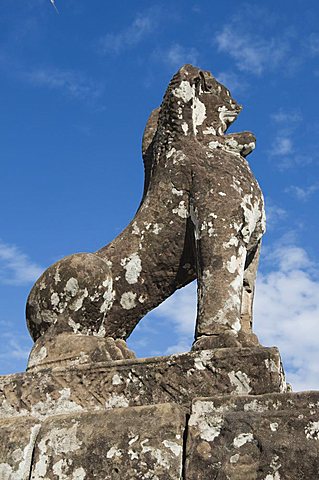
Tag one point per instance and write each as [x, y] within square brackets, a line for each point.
[116, 379]
[55, 299]
[60, 441]
[142, 298]
[133, 440]
[116, 401]
[133, 267]
[128, 300]
[198, 113]
[22, 459]
[207, 419]
[108, 295]
[234, 458]
[209, 131]
[255, 406]
[253, 214]
[207, 226]
[184, 91]
[274, 426]
[114, 452]
[235, 263]
[174, 447]
[274, 476]
[222, 194]
[181, 210]
[185, 128]
[202, 359]
[242, 439]
[312, 430]
[275, 466]
[215, 144]
[161, 457]
[78, 302]
[233, 242]
[179, 193]
[157, 228]
[135, 229]
[51, 406]
[240, 381]
[76, 327]
[222, 316]
[72, 287]
[133, 454]
[57, 277]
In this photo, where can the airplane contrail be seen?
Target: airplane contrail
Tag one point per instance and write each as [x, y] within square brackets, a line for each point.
[54, 5]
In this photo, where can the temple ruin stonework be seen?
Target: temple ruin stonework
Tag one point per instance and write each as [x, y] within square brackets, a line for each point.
[86, 408]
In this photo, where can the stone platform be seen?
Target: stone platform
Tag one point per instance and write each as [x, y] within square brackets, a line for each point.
[142, 419]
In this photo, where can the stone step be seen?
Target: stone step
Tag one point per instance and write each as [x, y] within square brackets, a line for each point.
[266, 437]
[134, 443]
[175, 378]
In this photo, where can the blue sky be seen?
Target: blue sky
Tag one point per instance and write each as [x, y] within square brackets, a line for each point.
[76, 90]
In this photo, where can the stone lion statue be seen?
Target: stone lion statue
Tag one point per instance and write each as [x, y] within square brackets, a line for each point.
[201, 217]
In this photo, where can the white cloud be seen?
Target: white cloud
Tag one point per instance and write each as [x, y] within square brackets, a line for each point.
[285, 123]
[303, 193]
[252, 53]
[74, 84]
[142, 25]
[16, 268]
[287, 313]
[282, 146]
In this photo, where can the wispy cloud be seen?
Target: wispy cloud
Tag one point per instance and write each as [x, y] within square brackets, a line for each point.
[177, 55]
[132, 35]
[73, 84]
[312, 44]
[282, 146]
[303, 193]
[287, 154]
[274, 214]
[16, 268]
[287, 119]
[251, 53]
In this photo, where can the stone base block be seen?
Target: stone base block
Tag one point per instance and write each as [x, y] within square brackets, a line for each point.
[138, 442]
[176, 378]
[267, 437]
